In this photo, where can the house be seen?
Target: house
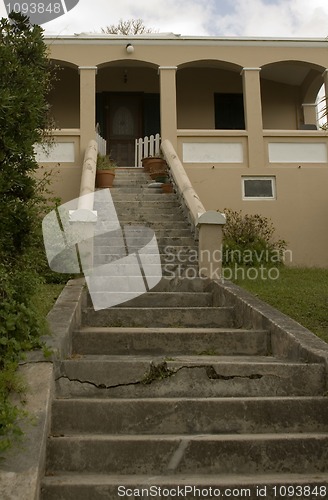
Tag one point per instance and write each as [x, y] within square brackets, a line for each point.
[241, 114]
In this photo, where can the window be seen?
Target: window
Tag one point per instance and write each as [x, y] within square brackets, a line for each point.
[229, 111]
[259, 188]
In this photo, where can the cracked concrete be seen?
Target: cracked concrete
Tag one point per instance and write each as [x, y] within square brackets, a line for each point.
[180, 378]
[157, 372]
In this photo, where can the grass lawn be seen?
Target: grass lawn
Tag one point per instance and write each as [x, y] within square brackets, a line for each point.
[46, 297]
[300, 293]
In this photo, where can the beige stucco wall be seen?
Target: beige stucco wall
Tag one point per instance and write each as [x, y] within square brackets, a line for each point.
[64, 98]
[176, 51]
[299, 213]
[111, 79]
[65, 181]
[281, 105]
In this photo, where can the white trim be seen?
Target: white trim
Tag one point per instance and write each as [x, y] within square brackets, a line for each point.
[213, 152]
[189, 40]
[250, 69]
[87, 68]
[258, 178]
[167, 67]
[298, 152]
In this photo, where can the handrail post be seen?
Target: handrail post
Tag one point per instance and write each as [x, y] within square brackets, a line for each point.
[85, 217]
[210, 225]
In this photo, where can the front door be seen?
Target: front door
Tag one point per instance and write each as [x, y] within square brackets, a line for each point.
[124, 125]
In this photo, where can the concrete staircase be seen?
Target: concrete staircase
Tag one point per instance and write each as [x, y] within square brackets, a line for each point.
[164, 391]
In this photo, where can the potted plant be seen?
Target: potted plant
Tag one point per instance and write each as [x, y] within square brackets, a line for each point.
[146, 163]
[157, 167]
[167, 186]
[105, 171]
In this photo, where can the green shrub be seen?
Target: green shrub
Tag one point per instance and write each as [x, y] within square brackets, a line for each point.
[24, 115]
[249, 240]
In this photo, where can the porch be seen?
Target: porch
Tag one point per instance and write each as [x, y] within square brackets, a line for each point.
[244, 115]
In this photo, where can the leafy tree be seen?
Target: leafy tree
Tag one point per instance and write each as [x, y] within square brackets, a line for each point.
[24, 84]
[128, 27]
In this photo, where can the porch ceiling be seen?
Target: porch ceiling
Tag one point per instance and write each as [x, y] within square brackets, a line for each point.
[211, 63]
[289, 72]
[127, 63]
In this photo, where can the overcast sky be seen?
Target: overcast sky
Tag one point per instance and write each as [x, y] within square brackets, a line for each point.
[277, 18]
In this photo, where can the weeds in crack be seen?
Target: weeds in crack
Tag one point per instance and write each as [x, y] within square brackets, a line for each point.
[157, 372]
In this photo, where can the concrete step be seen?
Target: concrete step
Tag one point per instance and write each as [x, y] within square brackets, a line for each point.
[159, 203]
[171, 299]
[102, 287]
[180, 376]
[164, 240]
[205, 317]
[190, 416]
[104, 244]
[157, 225]
[170, 341]
[176, 255]
[128, 180]
[166, 283]
[127, 211]
[145, 195]
[134, 189]
[185, 454]
[152, 216]
[192, 486]
[118, 270]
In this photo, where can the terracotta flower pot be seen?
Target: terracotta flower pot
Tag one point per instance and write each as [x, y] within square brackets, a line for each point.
[167, 188]
[146, 164]
[157, 167]
[105, 178]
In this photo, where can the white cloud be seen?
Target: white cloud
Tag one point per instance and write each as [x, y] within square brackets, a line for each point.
[294, 18]
[180, 16]
[285, 18]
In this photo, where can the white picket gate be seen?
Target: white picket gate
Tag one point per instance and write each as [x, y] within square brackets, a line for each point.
[101, 142]
[147, 146]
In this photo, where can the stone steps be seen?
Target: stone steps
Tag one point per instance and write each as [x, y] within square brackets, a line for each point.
[268, 486]
[185, 454]
[207, 317]
[168, 390]
[190, 415]
[170, 341]
[143, 376]
[142, 212]
[146, 195]
[157, 299]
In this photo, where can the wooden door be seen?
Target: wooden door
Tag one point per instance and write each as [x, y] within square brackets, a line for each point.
[124, 125]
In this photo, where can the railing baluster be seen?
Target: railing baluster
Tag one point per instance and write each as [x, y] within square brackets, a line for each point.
[147, 146]
[157, 144]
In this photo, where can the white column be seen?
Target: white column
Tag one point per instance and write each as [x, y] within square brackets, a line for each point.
[253, 116]
[168, 101]
[325, 80]
[309, 113]
[87, 106]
